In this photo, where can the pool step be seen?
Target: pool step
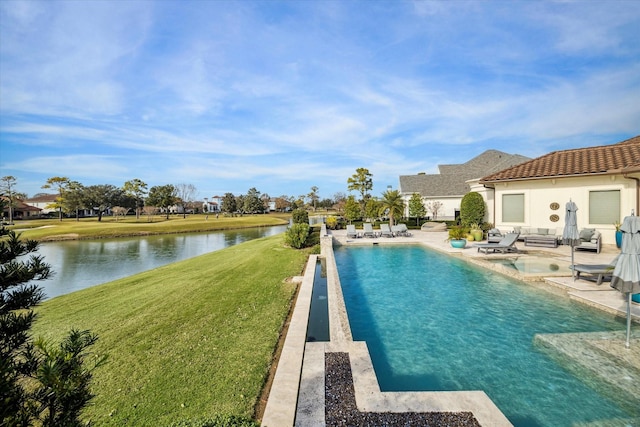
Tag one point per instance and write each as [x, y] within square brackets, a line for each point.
[601, 361]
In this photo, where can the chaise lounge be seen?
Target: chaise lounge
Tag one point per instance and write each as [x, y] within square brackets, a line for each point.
[597, 272]
[351, 231]
[385, 230]
[368, 230]
[507, 244]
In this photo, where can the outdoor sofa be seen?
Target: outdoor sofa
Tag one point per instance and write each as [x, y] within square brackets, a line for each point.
[590, 240]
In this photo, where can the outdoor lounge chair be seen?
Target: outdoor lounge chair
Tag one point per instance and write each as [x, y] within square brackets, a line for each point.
[385, 230]
[368, 230]
[507, 244]
[598, 272]
[351, 231]
[401, 230]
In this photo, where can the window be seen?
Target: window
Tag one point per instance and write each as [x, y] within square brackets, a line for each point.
[604, 207]
[513, 208]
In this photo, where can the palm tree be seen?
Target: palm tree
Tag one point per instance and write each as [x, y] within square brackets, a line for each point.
[392, 204]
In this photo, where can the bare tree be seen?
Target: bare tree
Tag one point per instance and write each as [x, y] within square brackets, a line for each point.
[434, 207]
[185, 194]
[119, 211]
[150, 211]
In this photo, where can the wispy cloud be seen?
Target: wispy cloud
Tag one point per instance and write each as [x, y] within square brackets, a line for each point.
[284, 95]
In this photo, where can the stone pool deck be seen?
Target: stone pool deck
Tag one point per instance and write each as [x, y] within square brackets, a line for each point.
[297, 395]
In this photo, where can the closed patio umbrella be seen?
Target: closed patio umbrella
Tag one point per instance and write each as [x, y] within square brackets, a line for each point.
[626, 274]
[570, 235]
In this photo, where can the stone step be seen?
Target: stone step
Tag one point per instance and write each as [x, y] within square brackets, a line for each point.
[601, 361]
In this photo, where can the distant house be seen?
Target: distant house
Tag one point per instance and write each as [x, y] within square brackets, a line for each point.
[451, 184]
[21, 210]
[603, 181]
[214, 205]
[43, 202]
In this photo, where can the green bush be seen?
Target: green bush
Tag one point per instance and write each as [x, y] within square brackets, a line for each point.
[218, 421]
[296, 235]
[472, 208]
[300, 216]
[332, 223]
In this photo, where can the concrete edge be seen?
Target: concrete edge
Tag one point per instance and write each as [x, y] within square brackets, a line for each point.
[283, 396]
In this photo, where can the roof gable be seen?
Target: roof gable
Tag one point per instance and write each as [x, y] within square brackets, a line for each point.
[604, 159]
[451, 181]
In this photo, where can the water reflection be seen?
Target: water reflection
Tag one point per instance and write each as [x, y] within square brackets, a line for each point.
[81, 264]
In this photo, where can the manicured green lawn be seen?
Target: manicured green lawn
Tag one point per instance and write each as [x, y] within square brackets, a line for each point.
[188, 340]
[86, 228]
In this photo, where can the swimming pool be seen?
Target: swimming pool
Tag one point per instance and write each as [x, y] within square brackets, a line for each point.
[433, 322]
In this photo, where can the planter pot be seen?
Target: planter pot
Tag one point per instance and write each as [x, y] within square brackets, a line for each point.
[477, 235]
[619, 239]
[458, 243]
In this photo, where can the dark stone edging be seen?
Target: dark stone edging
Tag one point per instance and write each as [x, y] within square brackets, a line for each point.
[341, 409]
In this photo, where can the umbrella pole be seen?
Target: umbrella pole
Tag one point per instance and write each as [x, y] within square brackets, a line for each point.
[627, 344]
[573, 266]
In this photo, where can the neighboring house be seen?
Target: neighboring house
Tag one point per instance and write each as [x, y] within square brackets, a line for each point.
[43, 202]
[603, 181]
[212, 205]
[450, 185]
[21, 210]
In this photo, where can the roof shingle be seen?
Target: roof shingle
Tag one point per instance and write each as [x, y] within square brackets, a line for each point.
[582, 161]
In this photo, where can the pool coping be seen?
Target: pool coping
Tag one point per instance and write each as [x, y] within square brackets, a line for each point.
[297, 393]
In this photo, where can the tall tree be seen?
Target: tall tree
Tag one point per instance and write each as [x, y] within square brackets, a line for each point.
[137, 189]
[416, 207]
[102, 197]
[352, 209]
[266, 202]
[362, 182]
[74, 199]
[229, 203]
[6, 189]
[185, 193]
[162, 196]
[39, 384]
[392, 205]
[252, 201]
[60, 183]
[313, 197]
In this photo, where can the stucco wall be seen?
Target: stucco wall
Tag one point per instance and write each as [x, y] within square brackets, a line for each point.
[540, 194]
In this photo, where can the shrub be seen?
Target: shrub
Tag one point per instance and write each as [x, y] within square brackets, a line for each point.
[296, 235]
[300, 216]
[472, 208]
[332, 223]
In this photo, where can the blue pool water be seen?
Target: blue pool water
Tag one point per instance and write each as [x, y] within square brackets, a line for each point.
[433, 322]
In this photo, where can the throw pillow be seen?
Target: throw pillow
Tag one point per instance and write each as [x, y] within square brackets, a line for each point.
[543, 231]
[586, 234]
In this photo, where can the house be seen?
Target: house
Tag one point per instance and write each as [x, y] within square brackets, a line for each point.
[44, 202]
[451, 184]
[603, 181]
[21, 210]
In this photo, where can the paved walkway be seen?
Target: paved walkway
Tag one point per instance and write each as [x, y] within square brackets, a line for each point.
[297, 393]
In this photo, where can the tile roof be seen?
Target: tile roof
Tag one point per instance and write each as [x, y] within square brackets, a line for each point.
[604, 159]
[451, 181]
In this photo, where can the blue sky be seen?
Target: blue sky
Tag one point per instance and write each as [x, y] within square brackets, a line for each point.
[286, 95]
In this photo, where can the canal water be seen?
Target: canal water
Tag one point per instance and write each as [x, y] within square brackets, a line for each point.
[80, 264]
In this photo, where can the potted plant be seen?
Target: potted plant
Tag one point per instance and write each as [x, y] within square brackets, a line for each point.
[476, 231]
[457, 235]
[618, 234]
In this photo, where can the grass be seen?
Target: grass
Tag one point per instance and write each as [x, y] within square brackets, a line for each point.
[89, 228]
[186, 341]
